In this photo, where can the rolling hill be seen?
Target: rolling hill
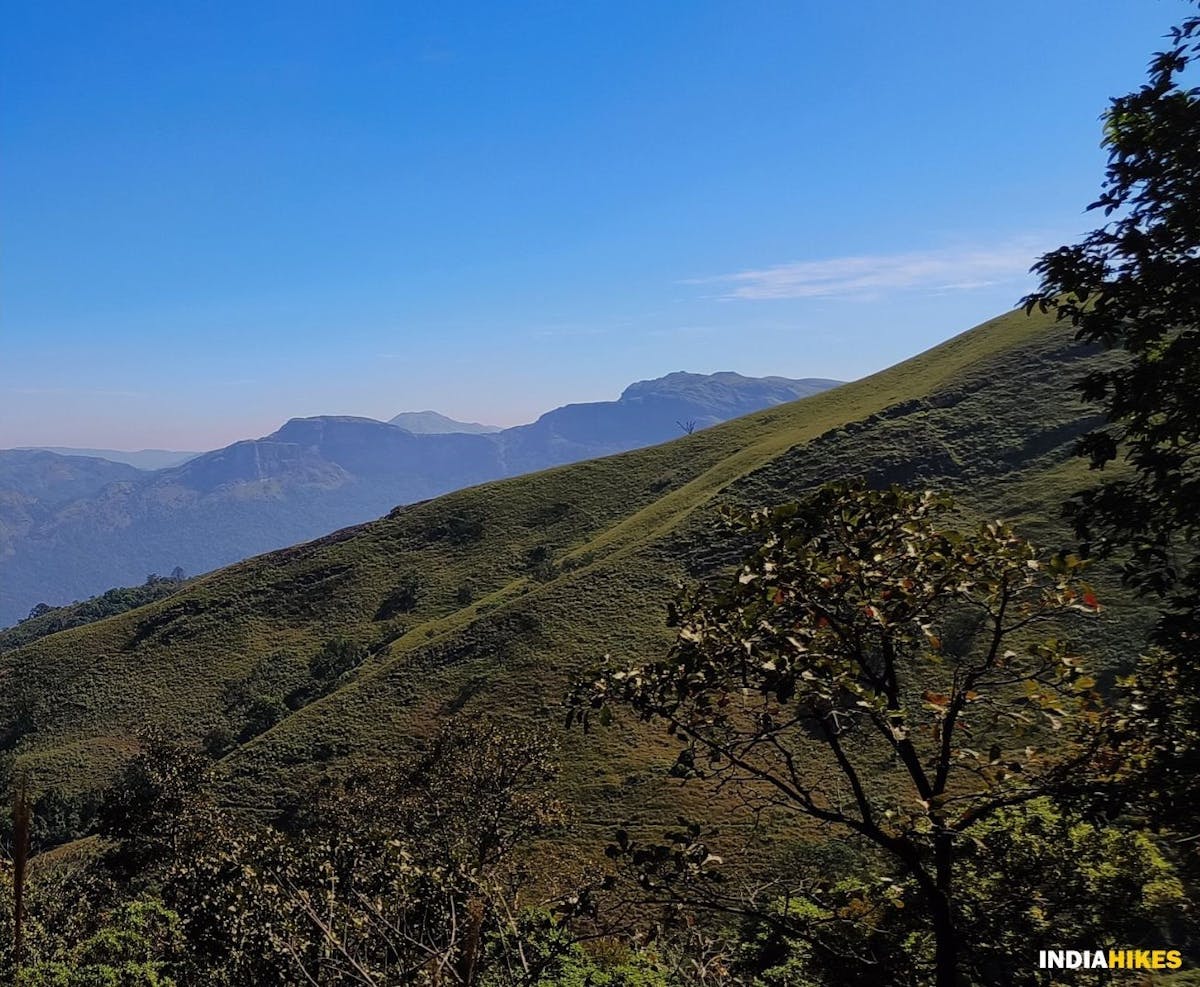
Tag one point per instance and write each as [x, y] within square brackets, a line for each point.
[35, 483]
[72, 527]
[493, 597]
[143, 459]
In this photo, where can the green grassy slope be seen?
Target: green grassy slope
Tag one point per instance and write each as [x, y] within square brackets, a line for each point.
[560, 567]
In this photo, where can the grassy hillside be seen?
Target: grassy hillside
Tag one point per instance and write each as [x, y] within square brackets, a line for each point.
[494, 596]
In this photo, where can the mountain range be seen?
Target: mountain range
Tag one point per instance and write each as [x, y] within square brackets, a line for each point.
[73, 526]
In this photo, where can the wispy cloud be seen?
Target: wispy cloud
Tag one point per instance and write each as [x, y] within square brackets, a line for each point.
[944, 270]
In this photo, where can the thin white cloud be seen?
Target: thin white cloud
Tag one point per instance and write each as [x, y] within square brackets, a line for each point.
[945, 270]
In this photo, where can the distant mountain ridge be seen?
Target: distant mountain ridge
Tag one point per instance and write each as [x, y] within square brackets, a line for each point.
[435, 423]
[646, 413]
[725, 390]
[143, 459]
[72, 526]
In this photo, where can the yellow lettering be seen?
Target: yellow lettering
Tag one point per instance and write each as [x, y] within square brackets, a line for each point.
[1174, 959]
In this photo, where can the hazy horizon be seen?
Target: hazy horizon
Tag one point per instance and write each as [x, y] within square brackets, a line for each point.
[219, 218]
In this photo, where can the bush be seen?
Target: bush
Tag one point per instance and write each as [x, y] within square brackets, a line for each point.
[539, 563]
[402, 599]
[262, 713]
[337, 656]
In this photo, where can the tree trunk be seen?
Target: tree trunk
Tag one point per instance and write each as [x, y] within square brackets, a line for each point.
[468, 960]
[945, 935]
[945, 948]
[21, 822]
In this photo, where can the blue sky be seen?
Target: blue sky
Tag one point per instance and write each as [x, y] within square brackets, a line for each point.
[217, 216]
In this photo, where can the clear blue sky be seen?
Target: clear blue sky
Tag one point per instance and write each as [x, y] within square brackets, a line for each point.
[220, 215]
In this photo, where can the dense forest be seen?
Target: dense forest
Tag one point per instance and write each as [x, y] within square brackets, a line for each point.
[874, 735]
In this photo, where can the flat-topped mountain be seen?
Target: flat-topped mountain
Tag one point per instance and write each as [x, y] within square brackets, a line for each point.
[434, 423]
[725, 393]
[647, 412]
[88, 525]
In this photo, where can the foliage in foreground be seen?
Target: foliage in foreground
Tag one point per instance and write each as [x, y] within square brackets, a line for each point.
[1133, 284]
[411, 875]
[908, 688]
[904, 686]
